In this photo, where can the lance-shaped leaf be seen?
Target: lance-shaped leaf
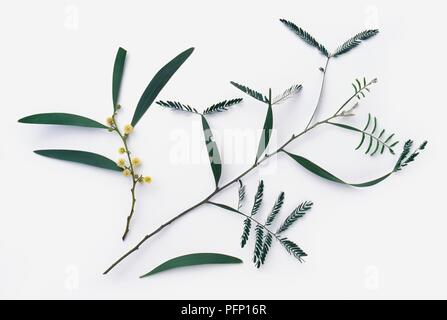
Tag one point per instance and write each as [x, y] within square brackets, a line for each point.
[255, 94]
[312, 167]
[194, 259]
[355, 41]
[266, 133]
[213, 151]
[157, 83]
[84, 157]
[118, 69]
[66, 119]
[305, 36]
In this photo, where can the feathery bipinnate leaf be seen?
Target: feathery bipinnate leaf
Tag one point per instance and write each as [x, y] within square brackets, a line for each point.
[250, 92]
[84, 157]
[157, 83]
[406, 156]
[299, 212]
[360, 86]
[194, 260]
[222, 106]
[241, 194]
[355, 41]
[275, 210]
[293, 249]
[305, 36]
[317, 170]
[267, 241]
[256, 205]
[213, 151]
[263, 234]
[287, 94]
[259, 245]
[66, 119]
[258, 198]
[377, 140]
[177, 106]
[118, 69]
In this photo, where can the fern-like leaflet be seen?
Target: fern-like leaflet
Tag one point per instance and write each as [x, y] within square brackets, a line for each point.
[263, 233]
[293, 249]
[255, 94]
[256, 205]
[299, 212]
[305, 36]
[177, 106]
[276, 208]
[382, 141]
[241, 195]
[355, 41]
[360, 86]
[259, 245]
[407, 156]
[287, 94]
[376, 140]
[222, 106]
[215, 108]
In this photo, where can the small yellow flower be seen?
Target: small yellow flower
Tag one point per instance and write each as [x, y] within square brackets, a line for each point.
[128, 129]
[136, 162]
[126, 172]
[122, 150]
[147, 179]
[121, 163]
[109, 121]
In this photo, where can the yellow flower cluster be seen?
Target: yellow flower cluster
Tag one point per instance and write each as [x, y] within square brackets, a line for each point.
[122, 150]
[109, 121]
[136, 162]
[128, 129]
[121, 163]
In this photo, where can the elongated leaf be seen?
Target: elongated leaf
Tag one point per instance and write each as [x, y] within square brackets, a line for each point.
[305, 36]
[312, 167]
[194, 259]
[118, 69]
[66, 119]
[84, 157]
[213, 151]
[157, 83]
[266, 133]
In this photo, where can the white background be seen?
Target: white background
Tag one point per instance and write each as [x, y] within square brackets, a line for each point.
[61, 223]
